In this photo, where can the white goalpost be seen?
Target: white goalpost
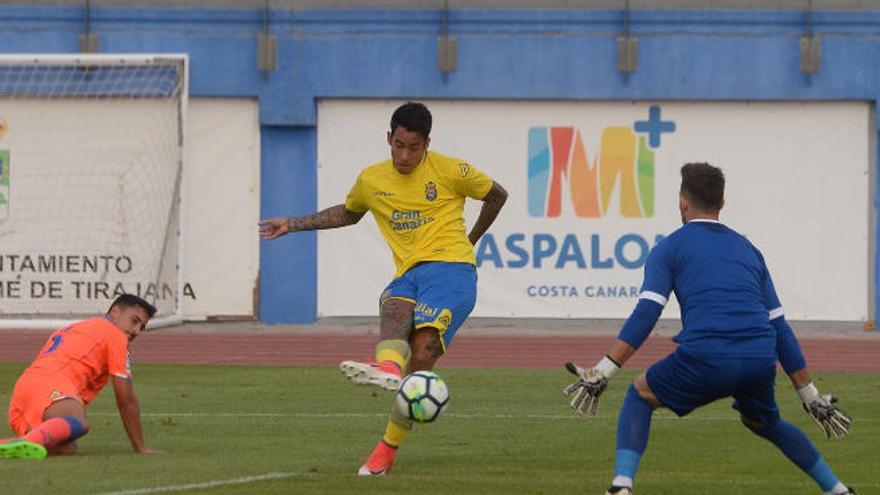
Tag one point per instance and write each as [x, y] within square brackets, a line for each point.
[91, 160]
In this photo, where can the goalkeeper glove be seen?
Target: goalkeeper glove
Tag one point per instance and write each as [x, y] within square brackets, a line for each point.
[590, 384]
[821, 409]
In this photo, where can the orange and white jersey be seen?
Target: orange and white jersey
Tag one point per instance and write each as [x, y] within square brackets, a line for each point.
[87, 353]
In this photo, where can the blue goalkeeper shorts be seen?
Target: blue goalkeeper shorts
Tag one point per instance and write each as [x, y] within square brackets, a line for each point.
[683, 382]
[443, 293]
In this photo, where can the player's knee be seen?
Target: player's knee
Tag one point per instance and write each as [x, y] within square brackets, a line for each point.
[756, 425]
[641, 388]
[751, 423]
[421, 360]
[426, 347]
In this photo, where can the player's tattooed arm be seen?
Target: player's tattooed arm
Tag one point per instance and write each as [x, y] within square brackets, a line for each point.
[330, 218]
[492, 204]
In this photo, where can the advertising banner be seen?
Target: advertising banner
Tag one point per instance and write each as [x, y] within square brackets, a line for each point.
[593, 186]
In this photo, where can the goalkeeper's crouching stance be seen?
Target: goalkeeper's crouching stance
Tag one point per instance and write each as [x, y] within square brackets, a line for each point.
[734, 331]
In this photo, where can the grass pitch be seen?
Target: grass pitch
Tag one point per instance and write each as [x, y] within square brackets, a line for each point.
[283, 430]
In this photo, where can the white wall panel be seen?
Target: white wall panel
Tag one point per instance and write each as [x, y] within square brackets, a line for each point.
[220, 234]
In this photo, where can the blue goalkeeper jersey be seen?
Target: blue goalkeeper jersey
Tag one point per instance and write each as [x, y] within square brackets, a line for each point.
[723, 287]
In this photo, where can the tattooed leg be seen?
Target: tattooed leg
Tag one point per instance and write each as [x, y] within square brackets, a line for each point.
[426, 349]
[396, 320]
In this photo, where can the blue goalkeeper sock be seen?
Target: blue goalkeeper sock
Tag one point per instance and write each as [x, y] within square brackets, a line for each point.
[800, 450]
[633, 427]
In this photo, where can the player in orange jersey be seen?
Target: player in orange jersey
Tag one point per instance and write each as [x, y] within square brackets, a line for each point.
[48, 407]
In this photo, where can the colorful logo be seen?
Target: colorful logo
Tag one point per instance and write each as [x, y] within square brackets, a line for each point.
[559, 165]
[4, 175]
[4, 185]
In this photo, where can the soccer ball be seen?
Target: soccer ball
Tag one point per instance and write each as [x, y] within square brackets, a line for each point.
[422, 396]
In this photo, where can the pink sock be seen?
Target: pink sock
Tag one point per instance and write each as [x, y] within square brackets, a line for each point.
[54, 431]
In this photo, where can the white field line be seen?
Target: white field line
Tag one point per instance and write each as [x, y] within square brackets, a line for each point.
[207, 484]
[551, 417]
[685, 477]
[277, 476]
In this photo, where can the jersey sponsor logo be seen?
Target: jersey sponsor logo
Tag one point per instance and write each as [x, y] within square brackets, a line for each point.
[465, 169]
[425, 310]
[625, 160]
[430, 191]
[384, 194]
[402, 220]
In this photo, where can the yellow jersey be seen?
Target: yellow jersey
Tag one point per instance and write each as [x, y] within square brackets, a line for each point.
[421, 214]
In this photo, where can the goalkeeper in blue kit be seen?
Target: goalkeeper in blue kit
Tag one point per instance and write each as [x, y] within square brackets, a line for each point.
[733, 333]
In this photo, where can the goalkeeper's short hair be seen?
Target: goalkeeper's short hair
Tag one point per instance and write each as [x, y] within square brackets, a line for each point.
[703, 185]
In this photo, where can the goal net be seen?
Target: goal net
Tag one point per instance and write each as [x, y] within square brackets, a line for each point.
[91, 153]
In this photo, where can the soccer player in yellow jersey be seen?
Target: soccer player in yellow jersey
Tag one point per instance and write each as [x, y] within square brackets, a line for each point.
[417, 198]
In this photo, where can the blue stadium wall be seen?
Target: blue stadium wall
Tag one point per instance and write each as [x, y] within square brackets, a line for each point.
[502, 54]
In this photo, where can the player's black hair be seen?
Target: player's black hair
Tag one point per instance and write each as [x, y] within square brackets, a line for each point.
[128, 300]
[412, 116]
[703, 185]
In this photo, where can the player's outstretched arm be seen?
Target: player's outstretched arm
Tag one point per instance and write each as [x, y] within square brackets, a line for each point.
[822, 409]
[130, 412]
[493, 201]
[592, 382]
[329, 218]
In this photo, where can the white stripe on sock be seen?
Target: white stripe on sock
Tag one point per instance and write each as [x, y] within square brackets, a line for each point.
[624, 481]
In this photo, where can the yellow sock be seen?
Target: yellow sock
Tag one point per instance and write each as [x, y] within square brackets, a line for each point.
[395, 433]
[394, 350]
